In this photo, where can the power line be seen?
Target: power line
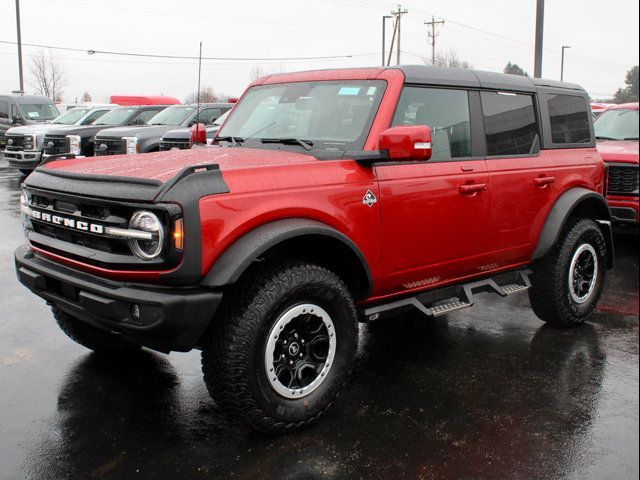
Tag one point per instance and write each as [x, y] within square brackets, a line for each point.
[188, 57]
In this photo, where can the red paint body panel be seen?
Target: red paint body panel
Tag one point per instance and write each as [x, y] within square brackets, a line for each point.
[434, 223]
[144, 100]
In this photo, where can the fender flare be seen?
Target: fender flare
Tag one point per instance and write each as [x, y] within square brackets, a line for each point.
[562, 210]
[235, 260]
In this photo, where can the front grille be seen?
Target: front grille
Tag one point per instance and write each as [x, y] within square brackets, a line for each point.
[623, 180]
[56, 145]
[110, 146]
[15, 143]
[171, 143]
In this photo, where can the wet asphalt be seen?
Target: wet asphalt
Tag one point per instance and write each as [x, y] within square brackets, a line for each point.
[486, 393]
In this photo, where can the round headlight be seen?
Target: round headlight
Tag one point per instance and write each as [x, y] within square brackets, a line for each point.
[146, 222]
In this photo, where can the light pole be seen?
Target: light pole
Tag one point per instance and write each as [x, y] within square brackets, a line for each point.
[19, 45]
[564, 47]
[384, 29]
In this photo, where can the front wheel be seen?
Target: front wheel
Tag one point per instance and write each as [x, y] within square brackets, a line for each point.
[568, 283]
[283, 346]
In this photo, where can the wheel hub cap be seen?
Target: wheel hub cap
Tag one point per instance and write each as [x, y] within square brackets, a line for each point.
[300, 350]
[583, 273]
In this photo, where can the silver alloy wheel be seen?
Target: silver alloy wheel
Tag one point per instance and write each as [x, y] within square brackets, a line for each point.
[300, 350]
[583, 273]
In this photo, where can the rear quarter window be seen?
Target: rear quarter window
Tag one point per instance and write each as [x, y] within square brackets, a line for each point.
[569, 118]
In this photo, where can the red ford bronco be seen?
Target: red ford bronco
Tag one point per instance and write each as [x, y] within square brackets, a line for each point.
[330, 197]
[617, 137]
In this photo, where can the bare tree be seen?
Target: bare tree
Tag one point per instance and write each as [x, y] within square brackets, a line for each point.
[207, 95]
[256, 73]
[86, 97]
[48, 75]
[451, 59]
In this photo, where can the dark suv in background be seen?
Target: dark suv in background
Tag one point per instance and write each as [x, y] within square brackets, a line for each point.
[79, 141]
[180, 138]
[26, 142]
[20, 109]
[144, 139]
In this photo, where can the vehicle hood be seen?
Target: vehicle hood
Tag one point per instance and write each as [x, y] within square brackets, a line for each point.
[164, 166]
[179, 132]
[37, 128]
[142, 132]
[623, 151]
[81, 130]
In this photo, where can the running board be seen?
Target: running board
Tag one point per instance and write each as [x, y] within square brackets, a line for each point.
[440, 302]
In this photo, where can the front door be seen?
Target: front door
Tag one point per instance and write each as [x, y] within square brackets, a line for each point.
[434, 213]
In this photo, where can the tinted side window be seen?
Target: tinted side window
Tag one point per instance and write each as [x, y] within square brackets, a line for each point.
[445, 111]
[143, 117]
[209, 115]
[509, 123]
[93, 116]
[569, 118]
[4, 109]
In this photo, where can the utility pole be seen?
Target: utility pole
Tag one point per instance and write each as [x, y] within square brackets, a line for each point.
[198, 95]
[564, 47]
[19, 45]
[537, 67]
[432, 35]
[398, 15]
[384, 29]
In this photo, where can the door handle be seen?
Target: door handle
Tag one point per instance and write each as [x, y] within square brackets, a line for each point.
[543, 181]
[472, 189]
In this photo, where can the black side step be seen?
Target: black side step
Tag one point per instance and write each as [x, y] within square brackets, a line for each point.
[439, 302]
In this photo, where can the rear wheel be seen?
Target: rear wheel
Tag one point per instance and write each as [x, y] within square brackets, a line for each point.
[282, 347]
[568, 283]
[91, 337]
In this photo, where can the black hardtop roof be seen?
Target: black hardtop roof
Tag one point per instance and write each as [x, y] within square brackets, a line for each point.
[27, 99]
[427, 75]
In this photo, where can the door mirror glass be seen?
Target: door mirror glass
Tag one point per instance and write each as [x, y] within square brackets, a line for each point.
[406, 143]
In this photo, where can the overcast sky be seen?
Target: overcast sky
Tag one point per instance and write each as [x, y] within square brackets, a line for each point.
[603, 37]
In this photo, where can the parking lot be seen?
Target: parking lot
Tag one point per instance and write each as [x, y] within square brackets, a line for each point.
[484, 393]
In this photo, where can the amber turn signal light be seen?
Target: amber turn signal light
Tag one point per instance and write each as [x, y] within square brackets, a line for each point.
[178, 234]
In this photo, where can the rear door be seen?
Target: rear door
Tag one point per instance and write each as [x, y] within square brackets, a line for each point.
[434, 213]
[522, 178]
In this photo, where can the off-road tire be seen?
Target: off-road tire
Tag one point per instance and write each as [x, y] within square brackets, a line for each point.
[549, 295]
[233, 348]
[91, 337]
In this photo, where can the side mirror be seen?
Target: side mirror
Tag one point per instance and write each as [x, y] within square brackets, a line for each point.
[16, 120]
[406, 143]
[198, 134]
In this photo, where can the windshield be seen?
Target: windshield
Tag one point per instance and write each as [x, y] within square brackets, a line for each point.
[173, 116]
[115, 117]
[70, 117]
[39, 112]
[331, 115]
[617, 125]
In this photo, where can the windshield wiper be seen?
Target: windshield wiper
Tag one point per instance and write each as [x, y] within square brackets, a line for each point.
[235, 141]
[306, 144]
[598, 137]
[630, 138]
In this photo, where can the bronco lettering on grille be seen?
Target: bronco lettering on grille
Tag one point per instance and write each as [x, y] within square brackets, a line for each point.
[67, 222]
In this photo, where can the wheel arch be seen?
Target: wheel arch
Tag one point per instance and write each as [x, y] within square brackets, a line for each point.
[298, 238]
[576, 202]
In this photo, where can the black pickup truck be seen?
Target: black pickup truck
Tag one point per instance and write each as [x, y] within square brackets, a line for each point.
[79, 141]
[146, 138]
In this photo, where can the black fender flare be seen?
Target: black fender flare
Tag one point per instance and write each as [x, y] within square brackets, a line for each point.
[234, 261]
[563, 209]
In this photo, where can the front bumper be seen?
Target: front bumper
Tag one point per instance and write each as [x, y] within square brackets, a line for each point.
[624, 210]
[170, 319]
[23, 160]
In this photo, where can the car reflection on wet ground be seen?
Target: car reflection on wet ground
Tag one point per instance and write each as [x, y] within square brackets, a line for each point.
[484, 393]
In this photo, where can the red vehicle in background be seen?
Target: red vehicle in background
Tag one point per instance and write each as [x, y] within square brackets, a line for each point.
[617, 142]
[127, 100]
